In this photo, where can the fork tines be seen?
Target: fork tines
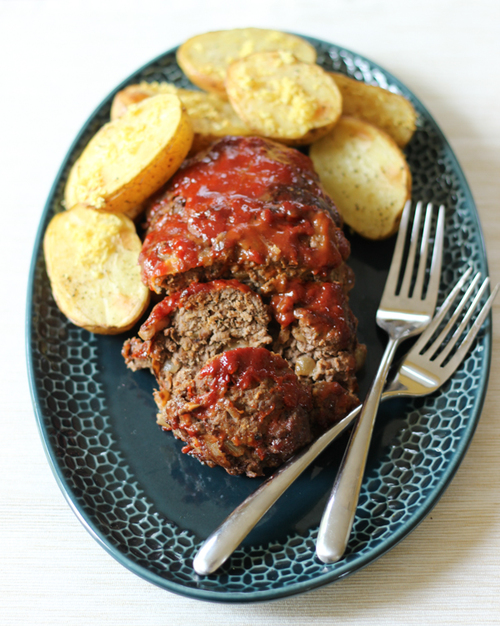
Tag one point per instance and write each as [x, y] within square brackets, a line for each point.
[413, 278]
[442, 347]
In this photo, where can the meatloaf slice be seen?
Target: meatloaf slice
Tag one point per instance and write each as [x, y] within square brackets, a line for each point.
[247, 208]
[318, 339]
[187, 328]
[245, 410]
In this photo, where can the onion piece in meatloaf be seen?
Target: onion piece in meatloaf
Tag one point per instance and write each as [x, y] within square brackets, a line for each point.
[318, 339]
[247, 208]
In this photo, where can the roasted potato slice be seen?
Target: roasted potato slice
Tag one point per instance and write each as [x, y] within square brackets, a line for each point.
[205, 58]
[211, 116]
[389, 111]
[91, 258]
[130, 158]
[283, 98]
[366, 175]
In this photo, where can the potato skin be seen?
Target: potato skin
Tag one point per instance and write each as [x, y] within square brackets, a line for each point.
[366, 174]
[92, 263]
[130, 158]
[389, 111]
[205, 58]
[282, 98]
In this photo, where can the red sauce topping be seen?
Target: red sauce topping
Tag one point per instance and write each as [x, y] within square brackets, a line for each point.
[320, 305]
[159, 317]
[245, 368]
[248, 200]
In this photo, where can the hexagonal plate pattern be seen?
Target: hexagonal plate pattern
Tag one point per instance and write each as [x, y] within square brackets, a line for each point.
[418, 445]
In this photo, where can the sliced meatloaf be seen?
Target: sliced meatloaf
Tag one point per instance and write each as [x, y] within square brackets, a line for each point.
[187, 328]
[233, 402]
[246, 244]
[247, 208]
[318, 339]
[245, 410]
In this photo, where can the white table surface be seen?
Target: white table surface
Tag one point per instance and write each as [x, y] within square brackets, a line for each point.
[58, 60]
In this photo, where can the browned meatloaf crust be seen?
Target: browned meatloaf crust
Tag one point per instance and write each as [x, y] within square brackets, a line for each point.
[248, 208]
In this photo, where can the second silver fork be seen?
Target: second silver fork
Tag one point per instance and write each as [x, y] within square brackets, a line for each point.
[405, 310]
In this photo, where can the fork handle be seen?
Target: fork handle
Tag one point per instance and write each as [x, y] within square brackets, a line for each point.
[337, 520]
[228, 536]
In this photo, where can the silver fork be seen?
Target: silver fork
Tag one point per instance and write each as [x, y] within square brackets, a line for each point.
[417, 375]
[403, 312]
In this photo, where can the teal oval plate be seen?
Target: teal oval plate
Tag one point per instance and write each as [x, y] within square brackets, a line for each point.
[150, 506]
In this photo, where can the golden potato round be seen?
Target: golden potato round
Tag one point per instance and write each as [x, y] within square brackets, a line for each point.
[283, 98]
[130, 158]
[389, 111]
[211, 116]
[366, 175]
[92, 262]
[206, 58]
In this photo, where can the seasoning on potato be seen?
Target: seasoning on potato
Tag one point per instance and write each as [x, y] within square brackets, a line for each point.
[211, 116]
[366, 175]
[389, 111]
[283, 98]
[205, 58]
[91, 258]
[132, 157]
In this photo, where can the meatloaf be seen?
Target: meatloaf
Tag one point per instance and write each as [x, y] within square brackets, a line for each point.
[189, 327]
[254, 346]
[233, 402]
[318, 339]
[247, 208]
[245, 410]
